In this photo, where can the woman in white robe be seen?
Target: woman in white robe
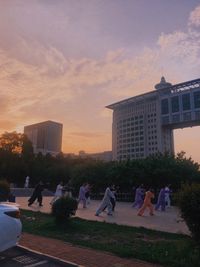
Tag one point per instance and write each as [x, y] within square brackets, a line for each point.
[106, 202]
[58, 193]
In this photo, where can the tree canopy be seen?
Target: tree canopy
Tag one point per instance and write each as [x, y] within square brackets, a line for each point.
[17, 161]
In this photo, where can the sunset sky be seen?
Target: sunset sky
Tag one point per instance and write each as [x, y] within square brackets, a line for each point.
[65, 60]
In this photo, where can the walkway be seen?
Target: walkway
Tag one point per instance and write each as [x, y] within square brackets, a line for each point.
[81, 256]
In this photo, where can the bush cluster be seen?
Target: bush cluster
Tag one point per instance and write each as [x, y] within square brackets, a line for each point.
[4, 190]
[63, 208]
[189, 204]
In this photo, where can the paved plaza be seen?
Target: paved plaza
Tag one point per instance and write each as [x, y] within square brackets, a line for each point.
[168, 221]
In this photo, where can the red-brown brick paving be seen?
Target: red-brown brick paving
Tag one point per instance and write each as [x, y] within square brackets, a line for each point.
[82, 256]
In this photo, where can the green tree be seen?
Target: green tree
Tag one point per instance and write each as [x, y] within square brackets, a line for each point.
[27, 148]
[189, 204]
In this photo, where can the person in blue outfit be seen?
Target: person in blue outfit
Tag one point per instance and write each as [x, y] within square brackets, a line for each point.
[167, 196]
[161, 200]
[139, 197]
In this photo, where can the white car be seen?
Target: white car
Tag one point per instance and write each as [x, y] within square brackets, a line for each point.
[10, 225]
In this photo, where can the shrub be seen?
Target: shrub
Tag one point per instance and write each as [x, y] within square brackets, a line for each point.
[189, 204]
[4, 190]
[63, 208]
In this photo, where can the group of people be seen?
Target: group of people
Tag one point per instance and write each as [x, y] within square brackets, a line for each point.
[61, 190]
[144, 199]
[108, 202]
[65, 190]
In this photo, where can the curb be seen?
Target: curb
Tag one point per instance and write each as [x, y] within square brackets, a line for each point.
[46, 256]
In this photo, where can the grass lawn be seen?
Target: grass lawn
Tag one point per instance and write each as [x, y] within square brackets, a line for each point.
[167, 249]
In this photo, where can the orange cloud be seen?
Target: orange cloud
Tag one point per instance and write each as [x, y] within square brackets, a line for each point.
[86, 134]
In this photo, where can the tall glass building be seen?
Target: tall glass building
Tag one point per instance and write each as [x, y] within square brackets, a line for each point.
[143, 125]
[46, 137]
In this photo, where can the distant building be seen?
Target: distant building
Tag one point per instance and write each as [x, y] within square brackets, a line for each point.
[103, 156]
[143, 125]
[46, 137]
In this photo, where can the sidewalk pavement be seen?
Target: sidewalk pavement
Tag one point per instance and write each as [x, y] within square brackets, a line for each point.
[78, 255]
[124, 214]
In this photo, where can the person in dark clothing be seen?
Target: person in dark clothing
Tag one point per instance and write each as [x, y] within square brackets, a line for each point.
[37, 194]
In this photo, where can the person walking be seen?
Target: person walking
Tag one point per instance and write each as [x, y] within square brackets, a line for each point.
[81, 196]
[139, 197]
[167, 196]
[161, 200]
[149, 195]
[37, 194]
[26, 184]
[106, 203]
[67, 190]
[113, 200]
[87, 194]
[58, 193]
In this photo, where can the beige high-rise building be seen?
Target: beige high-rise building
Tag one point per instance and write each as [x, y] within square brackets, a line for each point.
[143, 125]
[46, 137]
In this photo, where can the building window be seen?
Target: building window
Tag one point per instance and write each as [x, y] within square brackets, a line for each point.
[186, 101]
[197, 115]
[176, 118]
[165, 120]
[196, 99]
[164, 106]
[175, 104]
[187, 116]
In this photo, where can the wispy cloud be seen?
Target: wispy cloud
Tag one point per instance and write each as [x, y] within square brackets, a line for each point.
[194, 19]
